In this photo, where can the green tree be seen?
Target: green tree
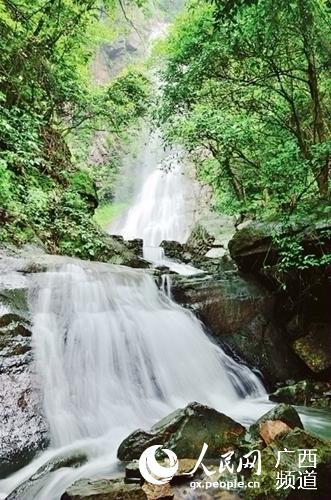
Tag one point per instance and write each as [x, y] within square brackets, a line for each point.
[46, 95]
[247, 90]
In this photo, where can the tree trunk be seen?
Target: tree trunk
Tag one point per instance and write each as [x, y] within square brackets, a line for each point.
[319, 126]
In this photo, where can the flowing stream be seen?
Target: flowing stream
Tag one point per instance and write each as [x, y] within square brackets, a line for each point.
[114, 352]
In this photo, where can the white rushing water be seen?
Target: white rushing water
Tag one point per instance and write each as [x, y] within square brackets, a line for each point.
[163, 207]
[112, 349]
[114, 353]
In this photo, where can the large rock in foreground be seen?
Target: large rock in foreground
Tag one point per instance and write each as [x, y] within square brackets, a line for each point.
[185, 431]
[104, 489]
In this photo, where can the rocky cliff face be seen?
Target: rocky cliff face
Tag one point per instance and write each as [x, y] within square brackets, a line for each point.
[276, 321]
[302, 291]
[239, 313]
[23, 427]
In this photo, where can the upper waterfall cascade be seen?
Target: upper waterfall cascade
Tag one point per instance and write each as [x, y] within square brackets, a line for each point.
[163, 207]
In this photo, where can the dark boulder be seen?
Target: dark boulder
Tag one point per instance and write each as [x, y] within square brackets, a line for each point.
[254, 246]
[24, 430]
[184, 432]
[251, 246]
[239, 313]
[135, 246]
[305, 393]
[174, 250]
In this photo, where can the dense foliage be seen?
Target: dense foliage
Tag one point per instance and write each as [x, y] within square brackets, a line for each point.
[46, 99]
[247, 91]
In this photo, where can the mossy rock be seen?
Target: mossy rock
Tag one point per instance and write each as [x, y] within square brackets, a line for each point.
[283, 412]
[104, 489]
[248, 238]
[185, 431]
[314, 348]
[294, 441]
[16, 302]
[305, 392]
[253, 247]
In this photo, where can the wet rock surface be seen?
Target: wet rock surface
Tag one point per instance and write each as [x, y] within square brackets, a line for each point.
[127, 252]
[104, 489]
[280, 413]
[239, 312]
[207, 246]
[31, 487]
[23, 427]
[305, 393]
[184, 432]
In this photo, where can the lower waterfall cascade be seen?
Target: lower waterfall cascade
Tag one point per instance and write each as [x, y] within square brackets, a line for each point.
[113, 353]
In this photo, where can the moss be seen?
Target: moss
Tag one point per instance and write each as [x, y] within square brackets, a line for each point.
[313, 349]
[295, 440]
[105, 214]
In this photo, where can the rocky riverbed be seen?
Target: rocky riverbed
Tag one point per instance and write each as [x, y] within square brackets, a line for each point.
[185, 432]
[282, 334]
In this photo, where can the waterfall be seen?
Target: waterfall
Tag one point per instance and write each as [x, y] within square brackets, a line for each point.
[163, 207]
[111, 349]
[113, 353]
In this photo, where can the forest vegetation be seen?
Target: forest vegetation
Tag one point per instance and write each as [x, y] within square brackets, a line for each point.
[50, 109]
[245, 89]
